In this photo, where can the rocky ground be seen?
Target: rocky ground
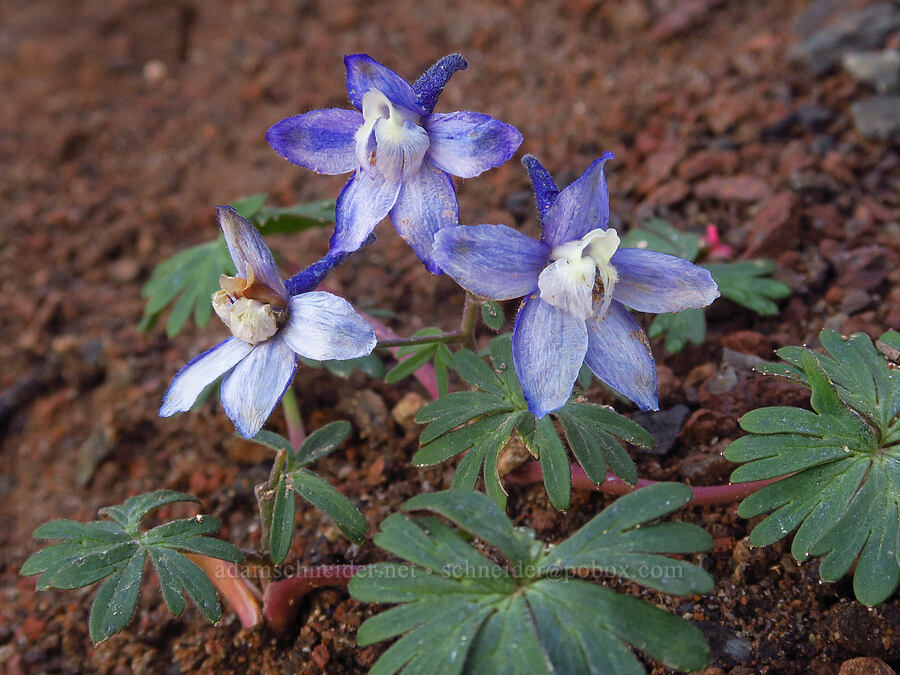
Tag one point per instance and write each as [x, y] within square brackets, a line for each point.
[124, 122]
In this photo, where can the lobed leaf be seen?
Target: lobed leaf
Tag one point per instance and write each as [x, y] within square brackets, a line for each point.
[117, 551]
[841, 476]
[747, 283]
[461, 612]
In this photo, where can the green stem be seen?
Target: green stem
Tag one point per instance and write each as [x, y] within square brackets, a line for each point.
[296, 430]
[465, 334]
[265, 499]
[455, 336]
[469, 319]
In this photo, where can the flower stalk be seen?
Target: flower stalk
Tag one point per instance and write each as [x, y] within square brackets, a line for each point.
[265, 499]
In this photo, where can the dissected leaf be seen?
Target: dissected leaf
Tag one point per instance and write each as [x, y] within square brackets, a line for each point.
[688, 325]
[481, 422]
[278, 220]
[461, 612]
[658, 235]
[840, 465]
[188, 278]
[117, 551]
[748, 283]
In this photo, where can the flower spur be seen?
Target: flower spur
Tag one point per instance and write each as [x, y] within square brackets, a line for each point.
[577, 283]
[401, 153]
[272, 322]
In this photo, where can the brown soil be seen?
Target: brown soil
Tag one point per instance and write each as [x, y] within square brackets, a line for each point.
[124, 122]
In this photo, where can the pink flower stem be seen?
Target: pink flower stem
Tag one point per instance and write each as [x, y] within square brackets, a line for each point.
[703, 494]
[226, 578]
[282, 598]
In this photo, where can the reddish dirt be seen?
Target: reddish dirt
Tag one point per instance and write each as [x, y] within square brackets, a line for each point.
[124, 122]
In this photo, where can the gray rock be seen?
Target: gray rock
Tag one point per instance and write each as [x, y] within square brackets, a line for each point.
[663, 425]
[880, 69]
[865, 29]
[878, 117]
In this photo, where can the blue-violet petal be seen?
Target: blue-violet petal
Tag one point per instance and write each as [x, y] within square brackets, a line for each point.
[656, 282]
[466, 144]
[248, 250]
[619, 355]
[581, 207]
[493, 261]
[548, 348]
[323, 326]
[362, 204]
[200, 372]
[365, 73]
[254, 387]
[426, 204]
[321, 140]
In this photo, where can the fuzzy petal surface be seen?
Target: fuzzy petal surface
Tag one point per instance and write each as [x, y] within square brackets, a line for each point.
[656, 282]
[431, 83]
[323, 326]
[200, 372]
[248, 250]
[362, 204]
[306, 280]
[365, 73]
[255, 386]
[493, 261]
[581, 207]
[466, 144]
[321, 140]
[426, 204]
[545, 190]
[548, 347]
[619, 355]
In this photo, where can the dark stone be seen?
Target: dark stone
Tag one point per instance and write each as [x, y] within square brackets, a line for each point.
[664, 426]
[726, 647]
[867, 28]
[880, 69]
[878, 117]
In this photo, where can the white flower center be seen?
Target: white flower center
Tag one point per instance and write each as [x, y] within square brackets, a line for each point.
[251, 310]
[390, 141]
[581, 273]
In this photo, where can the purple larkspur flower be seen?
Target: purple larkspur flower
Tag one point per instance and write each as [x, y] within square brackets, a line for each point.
[402, 154]
[577, 283]
[272, 322]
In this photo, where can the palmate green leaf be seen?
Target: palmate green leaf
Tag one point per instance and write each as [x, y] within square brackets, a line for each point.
[325, 497]
[297, 218]
[480, 423]
[282, 529]
[842, 487]
[748, 283]
[679, 328]
[117, 551]
[462, 612]
[188, 278]
[862, 376]
[658, 235]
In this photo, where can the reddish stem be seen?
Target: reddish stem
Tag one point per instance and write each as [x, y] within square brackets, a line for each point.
[282, 598]
[703, 494]
[226, 577]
